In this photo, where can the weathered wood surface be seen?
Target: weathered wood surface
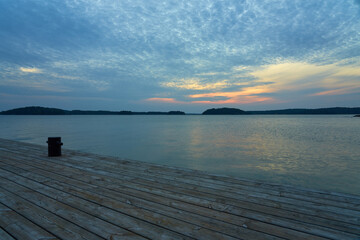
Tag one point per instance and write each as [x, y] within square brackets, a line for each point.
[87, 196]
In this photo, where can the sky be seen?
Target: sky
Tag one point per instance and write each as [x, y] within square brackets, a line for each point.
[152, 55]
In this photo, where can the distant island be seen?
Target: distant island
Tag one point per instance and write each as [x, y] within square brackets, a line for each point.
[224, 111]
[36, 110]
[55, 111]
[235, 111]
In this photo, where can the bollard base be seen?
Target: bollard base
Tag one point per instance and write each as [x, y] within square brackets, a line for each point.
[54, 146]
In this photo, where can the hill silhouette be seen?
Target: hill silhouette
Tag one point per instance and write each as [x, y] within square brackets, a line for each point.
[224, 111]
[35, 110]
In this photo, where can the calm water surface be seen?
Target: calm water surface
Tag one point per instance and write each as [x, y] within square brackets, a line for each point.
[320, 152]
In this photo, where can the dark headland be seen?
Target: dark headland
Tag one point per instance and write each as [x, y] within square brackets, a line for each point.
[224, 111]
[36, 110]
[304, 111]
[55, 111]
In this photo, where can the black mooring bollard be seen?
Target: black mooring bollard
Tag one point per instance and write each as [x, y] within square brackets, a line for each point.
[54, 146]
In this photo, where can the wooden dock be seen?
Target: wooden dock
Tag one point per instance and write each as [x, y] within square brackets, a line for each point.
[87, 196]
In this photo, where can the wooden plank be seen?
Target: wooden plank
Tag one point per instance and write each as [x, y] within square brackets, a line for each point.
[89, 222]
[109, 182]
[272, 230]
[324, 211]
[329, 204]
[316, 210]
[329, 231]
[50, 214]
[298, 195]
[188, 215]
[114, 214]
[334, 224]
[4, 235]
[20, 227]
[53, 223]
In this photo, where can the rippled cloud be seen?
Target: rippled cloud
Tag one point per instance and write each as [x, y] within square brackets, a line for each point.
[30, 70]
[249, 54]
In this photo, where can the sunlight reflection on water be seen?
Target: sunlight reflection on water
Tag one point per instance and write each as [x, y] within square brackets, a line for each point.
[311, 151]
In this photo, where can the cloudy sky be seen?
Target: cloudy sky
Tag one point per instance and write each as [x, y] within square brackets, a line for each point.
[188, 55]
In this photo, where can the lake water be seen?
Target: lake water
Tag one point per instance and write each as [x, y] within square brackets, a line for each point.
[321, 152]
